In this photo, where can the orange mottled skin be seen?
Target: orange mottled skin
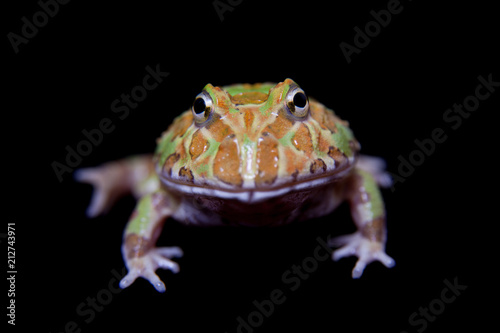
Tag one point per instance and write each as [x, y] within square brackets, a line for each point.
[252, 141]
[246, 155]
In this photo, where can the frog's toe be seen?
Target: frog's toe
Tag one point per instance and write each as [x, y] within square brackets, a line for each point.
[376, 167]
[100, 198]
[133, 274]
[105, 192]
[128, 279]
[146, 265]
[365, 249]
[364, 260]
[161, 254]
[170, 251]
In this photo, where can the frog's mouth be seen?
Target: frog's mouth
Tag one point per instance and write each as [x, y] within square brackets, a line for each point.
[253, 194]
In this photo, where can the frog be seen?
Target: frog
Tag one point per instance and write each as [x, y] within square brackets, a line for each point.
[249, 155]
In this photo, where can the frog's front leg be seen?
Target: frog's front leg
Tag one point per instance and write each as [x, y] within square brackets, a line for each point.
[141, 256]
[368, 212]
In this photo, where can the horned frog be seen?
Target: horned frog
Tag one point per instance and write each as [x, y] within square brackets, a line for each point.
[245, 155]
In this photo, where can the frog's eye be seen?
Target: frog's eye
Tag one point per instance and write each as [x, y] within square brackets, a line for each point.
[297, 102]
[202, 107]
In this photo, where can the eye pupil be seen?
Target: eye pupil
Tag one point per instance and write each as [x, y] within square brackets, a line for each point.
[300, 100]
[199, 105]
[297, 103]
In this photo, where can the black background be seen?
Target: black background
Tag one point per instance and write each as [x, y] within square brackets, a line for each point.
[393, 92]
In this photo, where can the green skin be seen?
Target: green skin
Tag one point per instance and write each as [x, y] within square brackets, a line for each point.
[371, 236]
[360, 188]
[142, 219]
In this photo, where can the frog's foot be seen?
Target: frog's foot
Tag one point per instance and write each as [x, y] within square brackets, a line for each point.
[113, 180]
[146, 265]
[365, 249]
[376, 167]
[107, 187]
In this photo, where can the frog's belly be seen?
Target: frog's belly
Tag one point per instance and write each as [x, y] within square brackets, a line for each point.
[277, 210]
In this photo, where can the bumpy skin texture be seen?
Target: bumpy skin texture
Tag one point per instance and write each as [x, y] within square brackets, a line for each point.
[259, 144]
[246, 155]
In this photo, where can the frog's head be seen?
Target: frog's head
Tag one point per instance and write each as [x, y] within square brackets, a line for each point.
[255, 137]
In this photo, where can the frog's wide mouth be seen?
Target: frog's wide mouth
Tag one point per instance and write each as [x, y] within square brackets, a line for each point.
[253, 194]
